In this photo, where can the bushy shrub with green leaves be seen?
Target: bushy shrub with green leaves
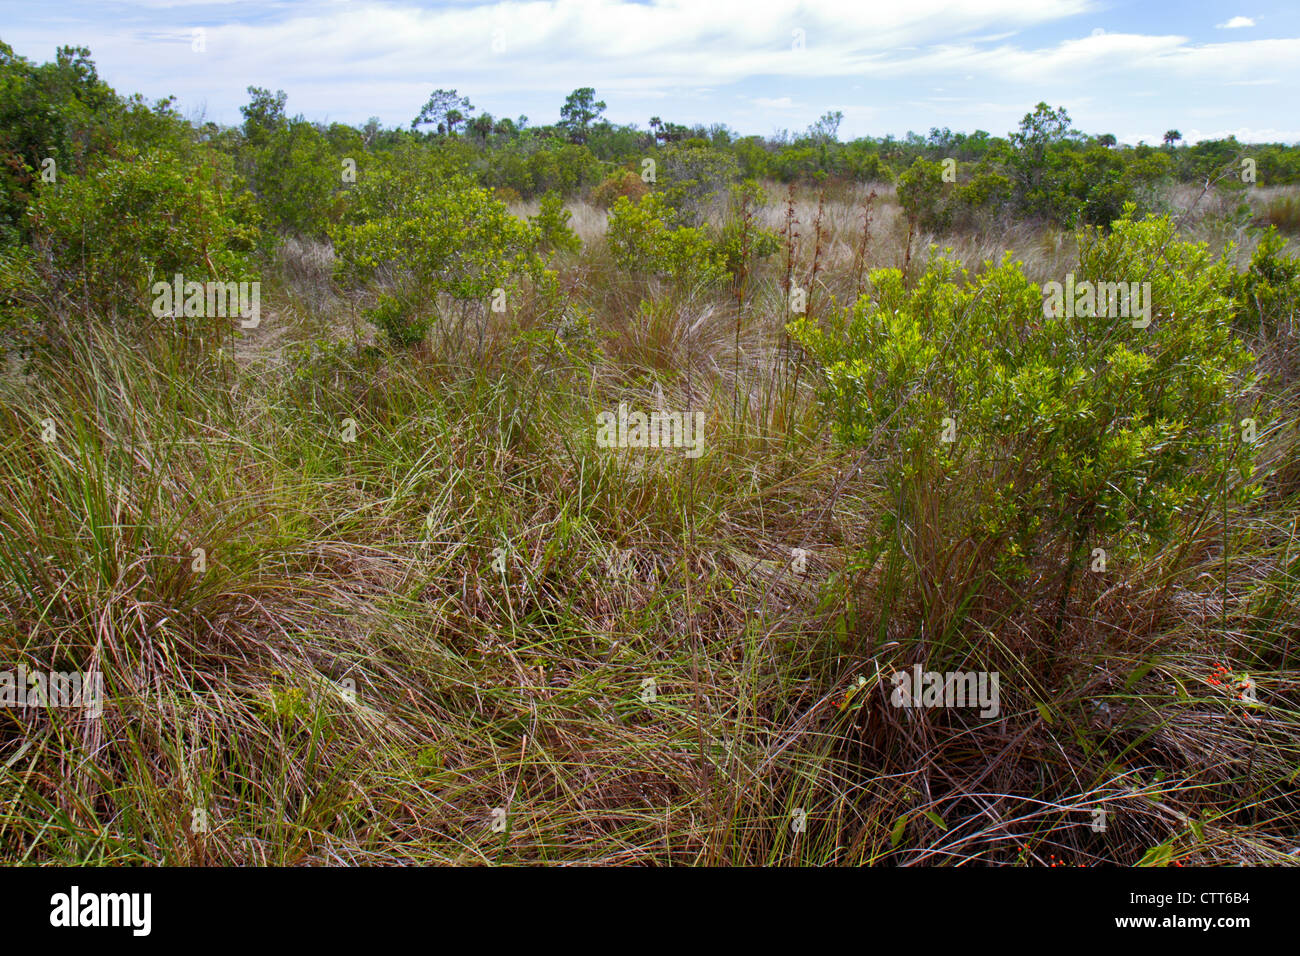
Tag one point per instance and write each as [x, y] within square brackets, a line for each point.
[540, 166]
[864, 167]
[433, 233]
[762, 243]
[743, 242]
[422, 228]
[1091, 186]
[973, 198]
[22, 298]
[108, 235]
[566, 341]
[402, 326]
[643, 243]
[921, 193]
[64, 113]
[552, 225]
[1069, 432]
[1072, 187]
[625, 182]
[980, 196]
[691, 178]
[1267, 293]
[298, 177]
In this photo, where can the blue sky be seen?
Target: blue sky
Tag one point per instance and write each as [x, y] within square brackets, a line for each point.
[1127, 67]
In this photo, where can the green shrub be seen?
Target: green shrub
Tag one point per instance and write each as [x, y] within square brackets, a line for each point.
[298, 177]
[690, 178]
[980, 198]
[743, 242]
[433, 232]
[22, 299]
[763, 243]
[622, 183]
[1267, 294]
[563, 167]
[1068, 433]
[62, 111]
[642, 242]
[568, 341]
[552, 225]
[295, 168]
[921, 193]
[398, 321]
[108, 235]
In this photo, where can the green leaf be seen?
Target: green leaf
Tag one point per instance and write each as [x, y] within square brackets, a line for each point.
[896, 834]
[1141, 671]
[936, 820]
[1157, 856]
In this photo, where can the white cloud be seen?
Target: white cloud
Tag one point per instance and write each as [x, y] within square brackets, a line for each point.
[555, 44]
[1236, 23]
[353, 59]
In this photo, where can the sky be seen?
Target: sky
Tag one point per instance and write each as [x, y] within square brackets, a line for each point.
[1134, 68]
